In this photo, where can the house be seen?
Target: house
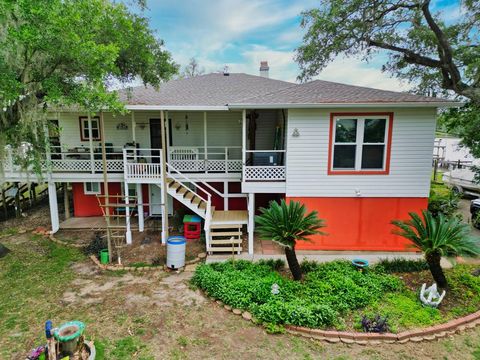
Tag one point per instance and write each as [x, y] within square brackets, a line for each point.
[359, 156]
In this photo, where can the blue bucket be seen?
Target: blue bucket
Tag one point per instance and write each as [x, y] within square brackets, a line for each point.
[176, 240]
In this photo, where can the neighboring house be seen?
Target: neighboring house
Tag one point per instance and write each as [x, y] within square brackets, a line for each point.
[361, 157]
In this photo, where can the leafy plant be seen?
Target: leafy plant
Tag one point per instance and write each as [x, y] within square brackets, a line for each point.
[401, 265]
[286, 224]
[97, 244]
[326, 292]
[436, 237]
[445, 203]
[378, 324]
[274, 264]
[309, 266]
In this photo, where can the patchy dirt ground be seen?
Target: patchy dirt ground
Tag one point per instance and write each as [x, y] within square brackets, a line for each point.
[165, 319]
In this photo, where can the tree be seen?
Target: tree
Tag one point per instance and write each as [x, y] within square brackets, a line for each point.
[436, 237]
[57, 53]
[286, 224]
[192, 69]
[435, 56]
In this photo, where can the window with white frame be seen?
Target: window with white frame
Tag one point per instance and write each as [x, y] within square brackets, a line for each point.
[91, 188]
[360, 143]
[84, 131]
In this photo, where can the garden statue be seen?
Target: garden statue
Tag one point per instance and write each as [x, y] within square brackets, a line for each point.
[430, 296]
[275, 289]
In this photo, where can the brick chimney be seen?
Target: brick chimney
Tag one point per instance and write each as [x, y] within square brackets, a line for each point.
[264, 69]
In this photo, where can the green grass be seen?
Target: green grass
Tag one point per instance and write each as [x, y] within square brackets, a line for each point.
[32, 278]
[130, 347]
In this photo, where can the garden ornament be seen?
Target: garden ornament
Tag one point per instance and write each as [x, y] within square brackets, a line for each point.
[430, 296]
[275, 289]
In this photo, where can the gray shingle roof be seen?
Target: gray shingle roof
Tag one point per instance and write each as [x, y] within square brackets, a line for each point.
[205, 90]
[326, 92]
[241, 89]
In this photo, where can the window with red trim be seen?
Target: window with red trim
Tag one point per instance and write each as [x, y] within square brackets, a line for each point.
[360, 143]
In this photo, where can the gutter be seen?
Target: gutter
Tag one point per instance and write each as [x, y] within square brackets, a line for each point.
[439, 104]
[177, 107]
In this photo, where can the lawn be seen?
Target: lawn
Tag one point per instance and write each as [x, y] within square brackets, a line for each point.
[154, 315]
[337, 295]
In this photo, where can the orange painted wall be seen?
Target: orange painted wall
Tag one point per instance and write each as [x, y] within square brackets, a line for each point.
[360, 223]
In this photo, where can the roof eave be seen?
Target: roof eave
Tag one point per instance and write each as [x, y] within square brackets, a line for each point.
[437, 104]
[177, 107]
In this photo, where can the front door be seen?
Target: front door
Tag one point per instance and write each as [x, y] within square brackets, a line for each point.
[156, 201]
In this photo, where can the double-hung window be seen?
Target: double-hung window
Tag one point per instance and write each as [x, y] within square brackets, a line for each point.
[91, 188]
[360, 143]
[85, 132]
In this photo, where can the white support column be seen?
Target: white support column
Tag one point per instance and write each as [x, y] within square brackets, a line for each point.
[134, 128]
[128, 230]
[164, 179]
[52, 200]
[244, 142]
[225, 195]
[251, 221]
[141, 220]
[205, 144]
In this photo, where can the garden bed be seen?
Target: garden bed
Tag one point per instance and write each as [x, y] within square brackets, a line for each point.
[337, 296]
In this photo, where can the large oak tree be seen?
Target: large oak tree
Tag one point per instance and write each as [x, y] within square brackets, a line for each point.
[436, 52]
[69, 53]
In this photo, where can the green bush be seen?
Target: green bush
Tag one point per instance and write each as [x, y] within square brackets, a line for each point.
[326, 292]
[400, 265]
[309, 266]
[274, 264]
[443, 201]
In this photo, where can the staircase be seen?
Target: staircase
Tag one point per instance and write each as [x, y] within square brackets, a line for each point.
[223, 229]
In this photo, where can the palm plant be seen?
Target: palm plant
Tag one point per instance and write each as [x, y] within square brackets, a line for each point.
[438, 236]
[286, 224]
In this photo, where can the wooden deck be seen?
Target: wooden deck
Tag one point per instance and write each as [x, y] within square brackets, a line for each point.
[91, 222]
[230, 217]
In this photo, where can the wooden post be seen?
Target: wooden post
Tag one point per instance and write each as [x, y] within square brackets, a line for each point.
[251, 221]
[141, 220]
[244, 142]
[4, 202]
[90, 143]
[164, 179]
[105, 187]
[18, 208]
[128, 230]
[66, 203]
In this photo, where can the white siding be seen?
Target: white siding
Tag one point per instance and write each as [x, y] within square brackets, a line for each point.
[410, 164]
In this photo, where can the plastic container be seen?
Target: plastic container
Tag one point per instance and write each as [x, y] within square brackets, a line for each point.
[176, 252]
[104, 256]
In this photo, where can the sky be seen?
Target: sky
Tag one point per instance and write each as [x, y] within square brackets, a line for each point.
[241, 33]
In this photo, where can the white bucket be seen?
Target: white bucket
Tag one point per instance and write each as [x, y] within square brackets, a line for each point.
[176, 252]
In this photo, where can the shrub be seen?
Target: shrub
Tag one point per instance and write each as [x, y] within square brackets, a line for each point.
[326, 292]
[308, 266]
[95, 245]
[401, 265]
[274, 264]
[443, 202]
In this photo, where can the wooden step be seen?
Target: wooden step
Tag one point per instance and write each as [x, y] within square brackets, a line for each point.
[226, 233]
[225, 242]
[196, 201]
[181, 191]
[203, 206]
[237, 249]
[188, 196]
[174, 186]
[225, 226]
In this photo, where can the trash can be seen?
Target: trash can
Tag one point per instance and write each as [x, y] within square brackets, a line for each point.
[176, 252]
[104, 256]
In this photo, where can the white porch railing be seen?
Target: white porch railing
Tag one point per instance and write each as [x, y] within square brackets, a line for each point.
[264, 165]
[142, 164]
[213, 159]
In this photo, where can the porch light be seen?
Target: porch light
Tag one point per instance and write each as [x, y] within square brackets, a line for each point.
[295, 133]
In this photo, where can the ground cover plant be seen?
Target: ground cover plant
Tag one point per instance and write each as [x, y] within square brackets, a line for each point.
[336, 295]
[327, 292]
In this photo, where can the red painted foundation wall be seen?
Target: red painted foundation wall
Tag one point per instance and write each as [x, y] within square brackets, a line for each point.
[233, 203]
[360, 223]
[87, 205]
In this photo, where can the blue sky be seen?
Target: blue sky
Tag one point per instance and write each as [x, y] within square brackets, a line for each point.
[241, 33]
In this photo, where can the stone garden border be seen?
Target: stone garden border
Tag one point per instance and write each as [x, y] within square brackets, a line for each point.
[416, 335]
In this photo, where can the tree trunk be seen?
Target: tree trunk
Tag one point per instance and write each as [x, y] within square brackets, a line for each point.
[433, 261]
[293, 264]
